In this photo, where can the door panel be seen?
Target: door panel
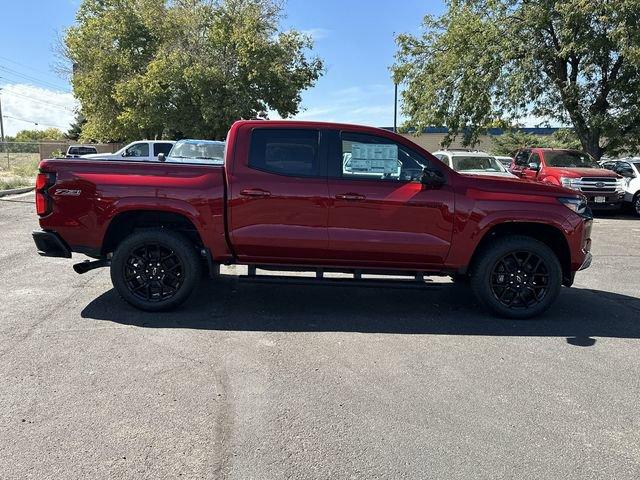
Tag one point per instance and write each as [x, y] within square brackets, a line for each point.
[279, 217]
[396, 223]
[388, 218]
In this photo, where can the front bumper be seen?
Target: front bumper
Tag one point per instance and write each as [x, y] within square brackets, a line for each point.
[587, 261]
[50, 244]
[613, 200]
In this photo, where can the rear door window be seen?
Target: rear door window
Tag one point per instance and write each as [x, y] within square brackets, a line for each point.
[286, 151]
[159, 148]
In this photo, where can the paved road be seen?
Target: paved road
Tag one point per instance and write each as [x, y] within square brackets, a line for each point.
[273, 381]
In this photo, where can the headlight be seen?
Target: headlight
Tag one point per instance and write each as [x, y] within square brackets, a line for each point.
[620, 184]
[578, 205]
[568, 182]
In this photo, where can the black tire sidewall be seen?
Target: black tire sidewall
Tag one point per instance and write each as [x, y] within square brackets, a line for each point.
[635, 204]
[481, 275]
[185, 251]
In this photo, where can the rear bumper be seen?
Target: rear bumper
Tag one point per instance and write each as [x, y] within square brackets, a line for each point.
[49, 244]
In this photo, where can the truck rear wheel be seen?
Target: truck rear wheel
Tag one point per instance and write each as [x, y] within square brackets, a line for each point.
[517, 277]
[155, 270]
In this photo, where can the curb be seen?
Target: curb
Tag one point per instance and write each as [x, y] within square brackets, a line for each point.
[15, 191]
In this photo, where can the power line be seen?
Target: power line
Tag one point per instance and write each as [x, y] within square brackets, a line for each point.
[70, 109]
[35, 123]
[47, 84]
[23, 65]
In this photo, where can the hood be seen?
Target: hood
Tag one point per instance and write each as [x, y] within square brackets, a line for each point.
[514, 185]
[583, 172]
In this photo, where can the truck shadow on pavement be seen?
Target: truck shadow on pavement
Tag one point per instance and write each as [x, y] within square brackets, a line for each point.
[438, 309]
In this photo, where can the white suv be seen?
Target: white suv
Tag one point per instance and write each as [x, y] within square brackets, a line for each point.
[629, 168]
[473, 163]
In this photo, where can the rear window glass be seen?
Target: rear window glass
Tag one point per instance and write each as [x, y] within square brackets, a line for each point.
[82, 150]
[285, 151]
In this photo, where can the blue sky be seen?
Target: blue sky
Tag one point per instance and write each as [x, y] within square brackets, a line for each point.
[355, 38]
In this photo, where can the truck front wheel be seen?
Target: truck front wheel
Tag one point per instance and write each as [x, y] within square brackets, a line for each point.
[517, 277]
[155, 270]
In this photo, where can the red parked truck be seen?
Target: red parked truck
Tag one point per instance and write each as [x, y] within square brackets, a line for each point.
[573, 169]
[316, 196]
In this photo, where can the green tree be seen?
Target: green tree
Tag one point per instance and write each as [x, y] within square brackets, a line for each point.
[37, 135]
[512, 140]
[153, 68]
[576, 62]
[75, 129]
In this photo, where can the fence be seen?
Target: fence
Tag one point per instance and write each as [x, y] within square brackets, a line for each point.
[20, 159]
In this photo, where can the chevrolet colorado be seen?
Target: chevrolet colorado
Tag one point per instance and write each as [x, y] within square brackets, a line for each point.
[315, 196]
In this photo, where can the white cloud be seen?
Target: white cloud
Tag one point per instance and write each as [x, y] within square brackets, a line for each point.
[24, 106]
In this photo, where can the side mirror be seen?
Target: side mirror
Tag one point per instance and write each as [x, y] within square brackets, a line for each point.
[124, 154]
[534, 166]
[162, 157]
[432, 178]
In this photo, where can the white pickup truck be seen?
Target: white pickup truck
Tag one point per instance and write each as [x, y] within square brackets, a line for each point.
[629, 168]
[143, 151]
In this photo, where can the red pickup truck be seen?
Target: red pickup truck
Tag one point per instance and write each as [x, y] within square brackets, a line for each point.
[314, 196]
[573, 169]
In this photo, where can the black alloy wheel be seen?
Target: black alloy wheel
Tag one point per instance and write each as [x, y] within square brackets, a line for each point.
[516, 276]
[153, 272]
[520, 280]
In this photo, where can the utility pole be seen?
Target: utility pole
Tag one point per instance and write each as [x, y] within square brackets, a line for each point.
[1, 122]
[4, 145]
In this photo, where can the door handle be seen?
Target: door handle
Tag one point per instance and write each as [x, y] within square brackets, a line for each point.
[353, 197]
[255, 192]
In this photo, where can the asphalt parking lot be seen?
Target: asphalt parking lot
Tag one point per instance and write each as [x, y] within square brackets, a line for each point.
[280, 381]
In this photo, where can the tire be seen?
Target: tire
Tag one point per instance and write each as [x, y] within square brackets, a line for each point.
[636, 204]
[516, 277]
[155, 270]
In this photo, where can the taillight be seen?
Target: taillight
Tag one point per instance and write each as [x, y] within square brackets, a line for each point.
[43, 201]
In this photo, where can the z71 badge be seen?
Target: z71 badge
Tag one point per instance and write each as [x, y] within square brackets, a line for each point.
[66, 192]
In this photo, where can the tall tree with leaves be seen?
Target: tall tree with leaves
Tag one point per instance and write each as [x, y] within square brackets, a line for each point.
[576, 62]
[153, 68]
[75, 129]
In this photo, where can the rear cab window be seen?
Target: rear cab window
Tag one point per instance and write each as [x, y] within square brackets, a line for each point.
[286, 151]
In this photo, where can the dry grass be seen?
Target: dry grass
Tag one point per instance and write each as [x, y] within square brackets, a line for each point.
[18, 170]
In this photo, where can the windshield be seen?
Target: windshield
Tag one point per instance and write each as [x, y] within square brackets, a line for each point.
[476, 164]
[569, 159]
[198, 150]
